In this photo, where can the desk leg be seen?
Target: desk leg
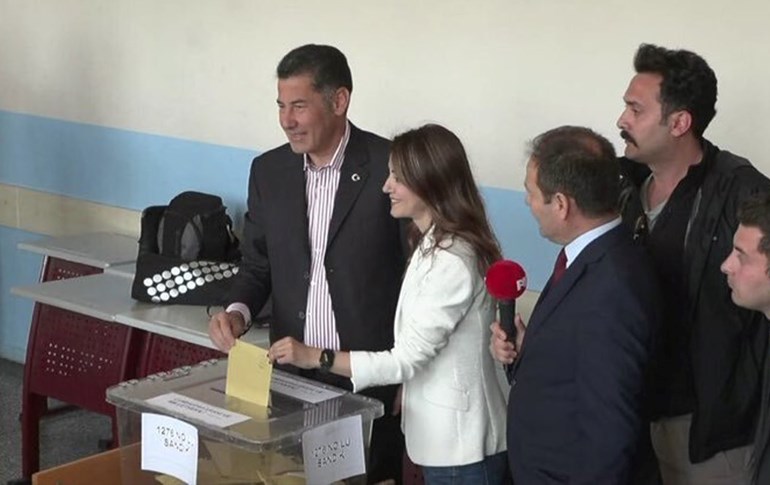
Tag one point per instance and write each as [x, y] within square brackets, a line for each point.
[33, 408]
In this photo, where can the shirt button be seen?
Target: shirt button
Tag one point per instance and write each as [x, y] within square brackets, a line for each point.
[306, 275]
[301, 315]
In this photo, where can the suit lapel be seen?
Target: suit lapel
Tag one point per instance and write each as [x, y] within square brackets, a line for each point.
[550, 300]
[353, 177]
[546, 303]
[553, 295]
[295, 200]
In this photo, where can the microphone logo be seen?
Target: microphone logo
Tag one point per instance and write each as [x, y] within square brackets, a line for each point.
[521, 284]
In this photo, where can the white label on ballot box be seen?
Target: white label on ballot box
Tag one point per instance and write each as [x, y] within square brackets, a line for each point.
[334, 451]
[170, 446]
[288, 386]
[193, 408]
[303, 391]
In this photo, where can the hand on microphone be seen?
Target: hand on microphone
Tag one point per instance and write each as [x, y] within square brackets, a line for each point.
[503, 350]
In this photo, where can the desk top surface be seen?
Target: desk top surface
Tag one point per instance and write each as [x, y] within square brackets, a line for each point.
[100, 296]
[126, 270]
[108, 297]
[99, 249]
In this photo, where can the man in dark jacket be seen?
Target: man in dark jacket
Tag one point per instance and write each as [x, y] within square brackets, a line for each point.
[748, 276]
[319, 238]
[680, 196]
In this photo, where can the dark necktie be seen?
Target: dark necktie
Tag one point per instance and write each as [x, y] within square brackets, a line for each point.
[559, 267]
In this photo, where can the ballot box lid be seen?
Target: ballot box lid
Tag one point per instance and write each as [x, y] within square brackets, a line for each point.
[196, 394]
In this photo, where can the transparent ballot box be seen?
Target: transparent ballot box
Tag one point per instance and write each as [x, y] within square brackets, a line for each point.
[308, 433]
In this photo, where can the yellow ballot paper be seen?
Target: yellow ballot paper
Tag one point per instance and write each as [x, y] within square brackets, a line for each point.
[248, 373]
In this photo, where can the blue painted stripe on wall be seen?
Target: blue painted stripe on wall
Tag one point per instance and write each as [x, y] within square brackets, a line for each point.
[133, 170]
[116, 167]
[519, 236]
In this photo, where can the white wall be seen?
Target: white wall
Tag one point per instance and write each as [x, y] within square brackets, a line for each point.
[199, 74]
[496, 72]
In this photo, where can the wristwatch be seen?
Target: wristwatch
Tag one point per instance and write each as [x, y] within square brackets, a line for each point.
[326, 360]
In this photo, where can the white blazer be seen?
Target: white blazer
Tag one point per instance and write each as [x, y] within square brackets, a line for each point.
[454, 406]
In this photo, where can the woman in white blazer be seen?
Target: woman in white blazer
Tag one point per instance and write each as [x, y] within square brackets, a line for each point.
[453, 403]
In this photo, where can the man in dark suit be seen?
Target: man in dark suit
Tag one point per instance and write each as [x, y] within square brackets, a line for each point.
[748, 275]
[578, 370]
[319, 238]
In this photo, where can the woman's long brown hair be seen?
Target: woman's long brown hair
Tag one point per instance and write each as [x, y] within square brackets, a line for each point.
[432, 163]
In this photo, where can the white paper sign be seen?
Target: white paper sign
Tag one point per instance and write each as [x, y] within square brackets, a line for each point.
[334, 451]
[193, 408]
[170, 446]
[301, 390]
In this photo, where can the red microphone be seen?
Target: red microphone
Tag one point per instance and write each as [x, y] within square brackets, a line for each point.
[506, 281]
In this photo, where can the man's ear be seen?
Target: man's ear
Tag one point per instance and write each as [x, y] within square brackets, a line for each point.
[341, 101]
[679, 123]
[563, 204]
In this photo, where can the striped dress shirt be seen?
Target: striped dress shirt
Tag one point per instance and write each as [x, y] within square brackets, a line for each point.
[320, 189]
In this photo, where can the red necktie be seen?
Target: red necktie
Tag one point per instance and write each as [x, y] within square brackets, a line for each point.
[559, 267]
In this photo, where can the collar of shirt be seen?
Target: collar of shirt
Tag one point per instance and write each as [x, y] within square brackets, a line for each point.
[573, 249]
[428, 240]
[337, 158]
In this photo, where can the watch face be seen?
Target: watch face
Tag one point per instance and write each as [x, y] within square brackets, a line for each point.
[327, 359]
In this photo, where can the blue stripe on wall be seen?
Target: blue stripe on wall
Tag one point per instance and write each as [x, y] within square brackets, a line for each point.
[116, 167]
[519, 236]
[133, 170]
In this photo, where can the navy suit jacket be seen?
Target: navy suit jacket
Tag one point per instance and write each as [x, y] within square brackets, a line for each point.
[575, 407]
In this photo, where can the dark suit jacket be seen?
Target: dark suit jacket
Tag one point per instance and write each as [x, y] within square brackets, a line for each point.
[761, 455]
[574, 413]
[364, 255]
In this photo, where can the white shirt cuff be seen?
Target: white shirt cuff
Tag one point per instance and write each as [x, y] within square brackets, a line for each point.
[243, 310]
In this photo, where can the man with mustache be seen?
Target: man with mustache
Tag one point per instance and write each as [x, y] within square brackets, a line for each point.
[680, 196]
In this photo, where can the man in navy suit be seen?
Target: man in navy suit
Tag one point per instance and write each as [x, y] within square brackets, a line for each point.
[578, 370]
